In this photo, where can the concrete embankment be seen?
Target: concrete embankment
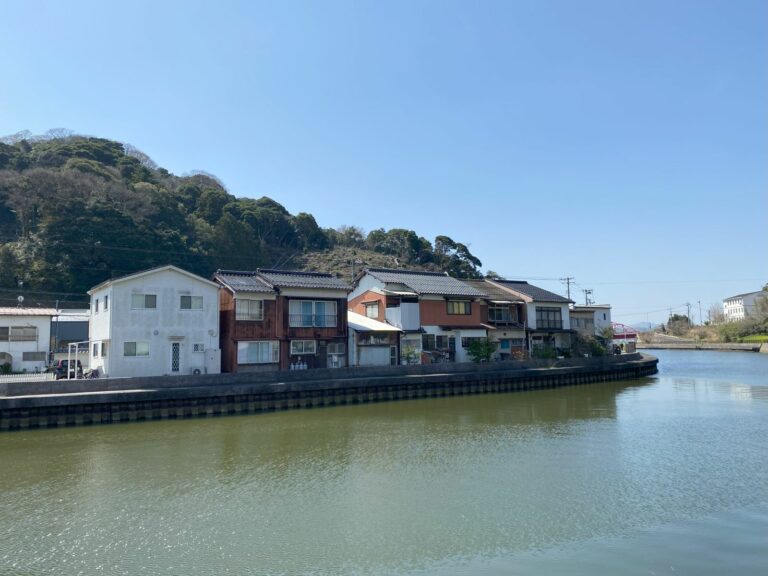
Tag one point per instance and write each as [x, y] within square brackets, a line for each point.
[692, 345]
[25, 405]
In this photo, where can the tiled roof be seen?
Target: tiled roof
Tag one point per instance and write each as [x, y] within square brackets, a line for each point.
[426, 282]
[493, 292]
[292, 279]
[534, 292]
[18, 311]
[242, 281]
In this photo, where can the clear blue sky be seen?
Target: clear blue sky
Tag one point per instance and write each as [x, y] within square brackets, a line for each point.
[622, 143]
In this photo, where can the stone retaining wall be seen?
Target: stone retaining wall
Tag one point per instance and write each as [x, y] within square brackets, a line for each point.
[236, 394]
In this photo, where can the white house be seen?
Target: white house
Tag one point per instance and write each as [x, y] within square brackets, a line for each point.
[25, 338]
[163, 321]
[740, 306]
[591, 320]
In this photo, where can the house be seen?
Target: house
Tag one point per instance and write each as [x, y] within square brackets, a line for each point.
[738, 307]
[282, 320]
[546, 314]
[25, 337]
[156, 322]
[439, 315]
[371, 342]
[592, 320]
[504, 313]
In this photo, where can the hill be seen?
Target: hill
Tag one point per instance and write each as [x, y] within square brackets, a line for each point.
[77, 210]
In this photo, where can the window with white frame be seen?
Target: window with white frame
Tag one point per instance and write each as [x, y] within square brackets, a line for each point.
[312, 313]
[106, 302]
[96, 306]
[262, 352]
[95, 349]
[249, 309]
[191, 303]
[303, 347]
[198, 347]
[372, 310]
[103, 349]
[143, 301]
[136, 349]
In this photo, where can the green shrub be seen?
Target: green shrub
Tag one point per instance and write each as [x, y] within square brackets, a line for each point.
[5, 368]
[754, 339]
[544, 353]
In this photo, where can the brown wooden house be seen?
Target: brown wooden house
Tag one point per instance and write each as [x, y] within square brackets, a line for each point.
[282, 320]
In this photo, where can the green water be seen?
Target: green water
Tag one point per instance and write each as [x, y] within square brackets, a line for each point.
[667, 475]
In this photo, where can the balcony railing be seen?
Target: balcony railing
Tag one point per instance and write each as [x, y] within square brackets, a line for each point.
[312, 320]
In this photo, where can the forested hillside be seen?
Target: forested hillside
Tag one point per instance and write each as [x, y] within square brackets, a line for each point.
[76, 210]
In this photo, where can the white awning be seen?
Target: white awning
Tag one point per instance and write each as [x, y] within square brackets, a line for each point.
[361, 323]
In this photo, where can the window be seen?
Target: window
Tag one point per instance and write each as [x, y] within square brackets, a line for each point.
[103, 349]
[428, 342]
[266, 352]
[96, 306]
[4, 331]
[96, 350]
[191, 302]
[501, 314]
[143, 301]
[309, 313]
[106, 303]
[548, 318]
[459, 307]
[33, 356]
[136, 349]
[441, 342]
[467, 341]
[303, 347]
[249, 309]
[23, 334]
[371, 339]
[372, 310]
[336, 348]
[199, 347]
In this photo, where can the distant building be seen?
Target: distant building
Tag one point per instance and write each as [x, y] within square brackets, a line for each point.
[591, 320]
[163, 321]
[25, 337]
[740, 306]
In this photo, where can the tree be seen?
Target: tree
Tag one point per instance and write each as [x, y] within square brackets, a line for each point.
[678, 324]
[481, 349]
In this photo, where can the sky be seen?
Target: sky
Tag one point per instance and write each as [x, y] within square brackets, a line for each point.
[620, 143]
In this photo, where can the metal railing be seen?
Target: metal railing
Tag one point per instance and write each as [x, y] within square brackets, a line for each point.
[312, 320]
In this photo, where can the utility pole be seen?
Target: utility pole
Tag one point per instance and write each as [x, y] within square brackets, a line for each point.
[587, 294]
[568, 280]
[688, 305]
[701, 320]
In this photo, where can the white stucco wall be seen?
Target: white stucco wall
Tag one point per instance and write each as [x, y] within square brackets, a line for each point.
[17, 349]
[160, 327]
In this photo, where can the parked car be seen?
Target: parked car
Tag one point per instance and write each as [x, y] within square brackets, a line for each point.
[60, 369]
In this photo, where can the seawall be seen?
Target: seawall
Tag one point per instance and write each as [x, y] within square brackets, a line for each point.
[722, 346]
[29, 405]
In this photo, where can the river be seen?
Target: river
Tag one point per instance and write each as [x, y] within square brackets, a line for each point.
[665, 475]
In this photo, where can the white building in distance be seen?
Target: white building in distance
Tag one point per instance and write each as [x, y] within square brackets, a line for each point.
[163, 321]
[740, 306]
[25, 338]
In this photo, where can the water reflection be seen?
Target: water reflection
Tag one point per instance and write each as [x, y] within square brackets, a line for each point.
[380, 488]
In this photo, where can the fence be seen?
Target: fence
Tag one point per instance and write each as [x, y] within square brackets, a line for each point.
[27, 377]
